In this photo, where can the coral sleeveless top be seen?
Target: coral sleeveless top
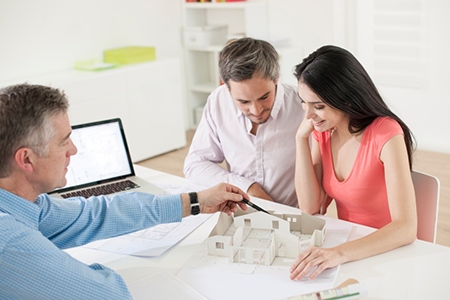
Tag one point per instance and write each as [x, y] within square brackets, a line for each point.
[361, 198]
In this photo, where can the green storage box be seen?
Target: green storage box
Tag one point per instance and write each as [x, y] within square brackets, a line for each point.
[129, 55]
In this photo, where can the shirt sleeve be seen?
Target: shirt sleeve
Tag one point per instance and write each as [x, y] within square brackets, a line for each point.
[32, 267]
[78, 221]
[201, 165]
[385, 128]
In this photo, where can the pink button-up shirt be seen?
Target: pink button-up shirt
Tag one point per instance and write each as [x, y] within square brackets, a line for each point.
[267, 158]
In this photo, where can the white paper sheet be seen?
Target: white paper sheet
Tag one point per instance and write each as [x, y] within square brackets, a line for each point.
[161, 287]
[203, 272]
[156, 240]
[153, 241]
[270, 285]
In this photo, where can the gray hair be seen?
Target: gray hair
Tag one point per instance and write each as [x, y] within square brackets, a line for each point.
[25, 120]
[243, 58]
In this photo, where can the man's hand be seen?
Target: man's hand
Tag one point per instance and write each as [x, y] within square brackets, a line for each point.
[222, 197]
[256, 190]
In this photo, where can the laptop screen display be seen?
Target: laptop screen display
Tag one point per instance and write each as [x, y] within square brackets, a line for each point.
[102, 154]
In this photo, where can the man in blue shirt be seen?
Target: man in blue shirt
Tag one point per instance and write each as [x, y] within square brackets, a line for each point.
[35, 150]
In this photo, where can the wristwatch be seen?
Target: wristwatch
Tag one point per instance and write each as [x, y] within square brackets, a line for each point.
[195, 206]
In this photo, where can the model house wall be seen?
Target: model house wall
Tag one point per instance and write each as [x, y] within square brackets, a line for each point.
[257, 238]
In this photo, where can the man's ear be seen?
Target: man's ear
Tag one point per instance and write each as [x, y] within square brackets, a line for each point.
[23, 159]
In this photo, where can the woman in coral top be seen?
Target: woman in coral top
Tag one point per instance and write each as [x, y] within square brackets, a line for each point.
[351, 148]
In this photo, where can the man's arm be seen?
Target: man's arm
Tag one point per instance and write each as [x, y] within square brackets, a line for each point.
[77, 221]
[34, 268]
[256, 190]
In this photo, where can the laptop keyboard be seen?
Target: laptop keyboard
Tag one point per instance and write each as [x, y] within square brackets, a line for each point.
[106, 189]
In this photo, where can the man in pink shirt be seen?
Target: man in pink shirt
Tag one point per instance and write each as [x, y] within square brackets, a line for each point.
[250, 124]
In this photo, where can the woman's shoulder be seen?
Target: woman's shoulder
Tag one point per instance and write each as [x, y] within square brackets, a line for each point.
[381, 130]
[383, 124]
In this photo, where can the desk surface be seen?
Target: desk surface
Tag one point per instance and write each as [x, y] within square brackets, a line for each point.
[415, 271]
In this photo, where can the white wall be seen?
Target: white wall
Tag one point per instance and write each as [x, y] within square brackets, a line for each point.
[39, 36]
[423, 101]
[308, 24]
[48, 35]
[425, 104]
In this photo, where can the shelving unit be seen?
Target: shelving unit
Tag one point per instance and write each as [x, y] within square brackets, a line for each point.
[247, 18]
[242, 18]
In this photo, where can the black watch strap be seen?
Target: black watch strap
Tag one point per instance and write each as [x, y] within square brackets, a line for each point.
[195, 206]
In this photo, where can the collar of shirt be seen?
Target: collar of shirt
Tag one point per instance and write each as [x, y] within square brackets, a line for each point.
[279, 98]
[22, 210]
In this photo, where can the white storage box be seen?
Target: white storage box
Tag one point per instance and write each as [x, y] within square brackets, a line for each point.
[205, 35]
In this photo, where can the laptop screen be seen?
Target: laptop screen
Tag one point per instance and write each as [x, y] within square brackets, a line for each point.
[102, 154]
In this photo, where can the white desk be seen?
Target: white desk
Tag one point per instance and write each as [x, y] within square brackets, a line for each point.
[416, 271]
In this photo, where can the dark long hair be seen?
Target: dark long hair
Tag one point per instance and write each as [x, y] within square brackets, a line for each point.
[340, 81]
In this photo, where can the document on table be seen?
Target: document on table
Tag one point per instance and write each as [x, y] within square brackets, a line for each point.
[156, 240]
[152, 241]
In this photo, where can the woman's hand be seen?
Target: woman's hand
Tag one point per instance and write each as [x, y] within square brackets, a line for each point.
[305, 129]
[315, 260]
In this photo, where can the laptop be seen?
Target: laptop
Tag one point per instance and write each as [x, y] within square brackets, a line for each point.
[102, 165]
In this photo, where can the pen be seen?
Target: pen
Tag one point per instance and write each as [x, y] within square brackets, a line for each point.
[251, 204]
[352, 291]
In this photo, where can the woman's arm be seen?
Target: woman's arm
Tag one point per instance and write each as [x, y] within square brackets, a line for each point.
[401, 231]
[308, 171]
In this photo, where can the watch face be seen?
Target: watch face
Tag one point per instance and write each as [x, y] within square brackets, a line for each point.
[195, 209]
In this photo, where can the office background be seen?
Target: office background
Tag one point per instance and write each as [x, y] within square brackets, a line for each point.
[402, 43]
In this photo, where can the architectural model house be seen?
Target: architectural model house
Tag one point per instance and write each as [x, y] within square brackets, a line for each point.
[257, 238]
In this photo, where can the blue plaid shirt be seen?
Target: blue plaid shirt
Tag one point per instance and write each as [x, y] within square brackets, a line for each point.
[32, 264]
